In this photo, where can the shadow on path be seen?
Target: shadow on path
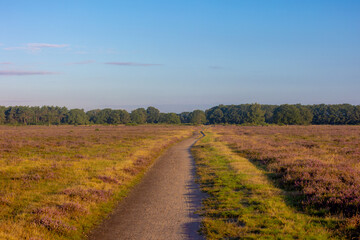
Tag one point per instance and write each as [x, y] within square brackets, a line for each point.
[194, 198]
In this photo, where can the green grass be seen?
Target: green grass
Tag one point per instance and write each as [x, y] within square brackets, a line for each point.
[244, 204]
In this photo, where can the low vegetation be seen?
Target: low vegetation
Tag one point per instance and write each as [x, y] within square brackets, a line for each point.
[57, 182]
[280, 182]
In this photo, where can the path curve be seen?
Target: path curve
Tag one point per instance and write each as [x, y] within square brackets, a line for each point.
[162, 206]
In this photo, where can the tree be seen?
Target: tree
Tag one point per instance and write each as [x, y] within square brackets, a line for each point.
[138, 116]
[61, 113]
[2, 114]
[103, 117]
[356, 115]
[124, 116]
[306, 114]
[216, 116]
[24, 114]
[51, 115]
[268, 112]
[169, 118]
[233, 115]
[114, 117]
[10, 115]
[76, 117]
[287, 114]
[93, 115]
[185, 117]
[152, 115]
[198, 117]
[255, 115]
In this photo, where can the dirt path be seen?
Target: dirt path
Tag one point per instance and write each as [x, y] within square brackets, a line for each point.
[162, 206]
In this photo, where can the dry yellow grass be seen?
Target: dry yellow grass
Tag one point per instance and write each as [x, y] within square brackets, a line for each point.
[57, 182]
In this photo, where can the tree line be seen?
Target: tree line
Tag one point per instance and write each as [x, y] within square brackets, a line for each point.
[286, 114]
[251, 114]
[53, 115]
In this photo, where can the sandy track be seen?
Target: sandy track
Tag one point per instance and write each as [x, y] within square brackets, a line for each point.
[162, 206]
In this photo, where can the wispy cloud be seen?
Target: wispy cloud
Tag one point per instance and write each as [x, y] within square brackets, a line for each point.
[82, 62]
[24, 73]
[133, 64]
[46, 45]
[36, 46]
[5, 63]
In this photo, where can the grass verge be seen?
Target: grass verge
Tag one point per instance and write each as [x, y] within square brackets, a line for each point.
[243, 203]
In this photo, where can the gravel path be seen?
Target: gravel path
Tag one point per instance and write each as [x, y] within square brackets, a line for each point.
[162, 206]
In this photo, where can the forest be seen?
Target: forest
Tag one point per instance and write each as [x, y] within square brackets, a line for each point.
[246, 114]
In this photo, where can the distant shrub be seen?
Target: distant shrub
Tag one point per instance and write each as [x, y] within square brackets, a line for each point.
[72, 207]
[108, 179]
[55, 225]
[90, 194]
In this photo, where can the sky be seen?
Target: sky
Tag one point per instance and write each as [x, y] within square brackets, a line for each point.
[178, 55]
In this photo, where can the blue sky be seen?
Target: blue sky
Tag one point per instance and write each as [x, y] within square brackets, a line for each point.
[178, 55]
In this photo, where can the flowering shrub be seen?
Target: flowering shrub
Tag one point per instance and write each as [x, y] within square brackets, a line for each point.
[318, 163]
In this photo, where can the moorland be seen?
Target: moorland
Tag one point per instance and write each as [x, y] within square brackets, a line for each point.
[57, 182]
[280, 182]
[270, 172]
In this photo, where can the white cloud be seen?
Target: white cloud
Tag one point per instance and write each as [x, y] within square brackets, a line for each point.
[24, 73]
[34, 47]
[133, 64]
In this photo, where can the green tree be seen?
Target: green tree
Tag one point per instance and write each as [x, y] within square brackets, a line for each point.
[24, 114]
[138, 116]
[169, 118]
[124, 116]
[76, 117]
[185, 117]
[255, 115]
[198, 117]
[216, 116]
[103, 117]
[93, 115]
[233, 114]
[10, 115]
[152, 115]
[306, 114]
[287, 114]
[2, 114]
[36, 116]
[114, 117]
[269, 112]
[50, 115]
[356, 115]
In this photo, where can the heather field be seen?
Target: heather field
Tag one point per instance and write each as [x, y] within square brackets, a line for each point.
[57, 182]
[280, 182]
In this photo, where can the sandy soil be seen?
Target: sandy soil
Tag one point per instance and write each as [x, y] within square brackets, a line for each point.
[162, 206]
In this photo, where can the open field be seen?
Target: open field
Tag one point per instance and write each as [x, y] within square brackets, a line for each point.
[57, 182]
[290, 182]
